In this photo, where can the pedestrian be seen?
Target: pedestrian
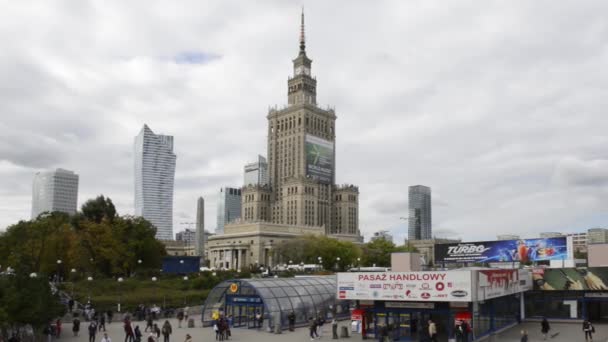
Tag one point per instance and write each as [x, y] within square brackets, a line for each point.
[149, 323]
[544, 328]
[75, 325]
[110, 315]
[186, 309]
[151, 337]
[48, 331]
[459, 332]
[92, 331]
[157, 331]
[216, 328]
[70, 305]
[524, 336]
[228, 325]
[137, 333]
[102, 321]
[58, 328]
[129, 334]
[292, 320]
[180, 318]
[260, 320]
[589, 329]
[105, 338]
[167, 330]
[320, 322]
[334, 328]
[313, 329]
[188, 338]
[432, 331]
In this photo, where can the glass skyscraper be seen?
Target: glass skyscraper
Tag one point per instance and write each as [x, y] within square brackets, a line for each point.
[228, 207]
[256, 173]
[54, 191]
[154, 178]
[419, 221]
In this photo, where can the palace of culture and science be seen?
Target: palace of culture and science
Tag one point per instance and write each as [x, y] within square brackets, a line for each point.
[302, 196]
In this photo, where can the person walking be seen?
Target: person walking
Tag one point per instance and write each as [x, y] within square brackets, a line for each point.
[188, 338]
[167, 330]
[149, 323]
[432, 331]
[259, 320]
[524, 336]
[180, 318]
[129, 335]
[544, 327]
[137, 333]
[151, 337]
[292, 320]
[58, 328]
[588, 329]
[102, 321]
[157, 331]
[70, 305]
[320, 322]
[75, 326]
[313, 329]
[105, 338]
[92, 331]
[334, 328]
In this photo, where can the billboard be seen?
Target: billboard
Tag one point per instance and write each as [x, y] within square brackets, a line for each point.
[450, 286]
[569, 279]
[319, 159]
[502, 282]
[522, 250]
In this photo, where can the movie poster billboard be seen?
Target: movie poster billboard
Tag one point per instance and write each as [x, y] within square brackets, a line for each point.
[571, 279]
[521, 250]
[451, 286]
[319, 159]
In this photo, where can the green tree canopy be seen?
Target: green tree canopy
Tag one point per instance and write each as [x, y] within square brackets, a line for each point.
[308, 249]
[99, 209]
[378, 252]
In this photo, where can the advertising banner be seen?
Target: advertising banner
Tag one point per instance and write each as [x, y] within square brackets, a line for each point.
[451, 286]
[522, 250]
[571, 279]
[498, 283]
[319, 159]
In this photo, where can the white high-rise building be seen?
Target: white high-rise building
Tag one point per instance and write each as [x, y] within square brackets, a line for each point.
[55, 191]
[199, 246]
[228, 207]
[256, 173]
[154, 178]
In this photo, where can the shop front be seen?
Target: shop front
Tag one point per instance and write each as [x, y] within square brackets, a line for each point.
[468, 303]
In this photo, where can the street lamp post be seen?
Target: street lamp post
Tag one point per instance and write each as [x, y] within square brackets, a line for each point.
[59, 270]
[337, 264]
[359, 264]
[320, 262]
[73, 272]
[119, 293]
[185, 291]
[89, 280]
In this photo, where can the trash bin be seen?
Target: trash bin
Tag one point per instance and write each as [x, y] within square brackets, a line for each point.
[191, 323]
[344, 331]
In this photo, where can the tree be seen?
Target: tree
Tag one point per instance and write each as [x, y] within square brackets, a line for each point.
[378, 252]
[309, 248]
[98, 209]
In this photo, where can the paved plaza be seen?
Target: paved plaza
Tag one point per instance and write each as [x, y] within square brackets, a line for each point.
[567, 333]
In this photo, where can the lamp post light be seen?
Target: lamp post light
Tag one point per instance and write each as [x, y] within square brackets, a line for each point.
[321, 262]
[73, 272]
[337, 264]
[89, 280]
[120, 280]
[33, 275]
[59, 270]
[359, 264]
[185, 291]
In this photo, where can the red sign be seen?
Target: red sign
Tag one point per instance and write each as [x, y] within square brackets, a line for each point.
[439, 286]
[357, 315]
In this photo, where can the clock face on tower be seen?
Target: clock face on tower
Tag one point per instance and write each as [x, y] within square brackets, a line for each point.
[302, 70]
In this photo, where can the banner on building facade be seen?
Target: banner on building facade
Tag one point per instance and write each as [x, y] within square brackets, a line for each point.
[502, 282]
[571, 279]
[451, 286]
[319, 159]
[521, 250]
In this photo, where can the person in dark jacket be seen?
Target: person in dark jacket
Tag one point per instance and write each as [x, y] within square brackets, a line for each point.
[524, 336]
[544, 328]
[75, 326]
[313, 328]
[589, 330]
[292, 320]
[92, 331]
[167, 331]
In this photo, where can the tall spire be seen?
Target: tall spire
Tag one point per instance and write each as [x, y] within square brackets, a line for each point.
[302, 37]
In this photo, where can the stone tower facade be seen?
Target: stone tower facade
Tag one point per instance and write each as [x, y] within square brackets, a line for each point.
[301, 164]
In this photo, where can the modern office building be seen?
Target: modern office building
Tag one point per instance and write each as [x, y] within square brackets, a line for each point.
[154, 178]
[579, 241]
[548, 235]
[504, 237]
[302, 196]
[55, 191]
[256, 173]
[382, 234]
[200, 238]
[228, 207]
[187, 237]
[419, 221]
[597, 235]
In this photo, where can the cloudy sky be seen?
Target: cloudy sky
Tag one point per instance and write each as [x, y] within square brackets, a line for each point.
[499, 106]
